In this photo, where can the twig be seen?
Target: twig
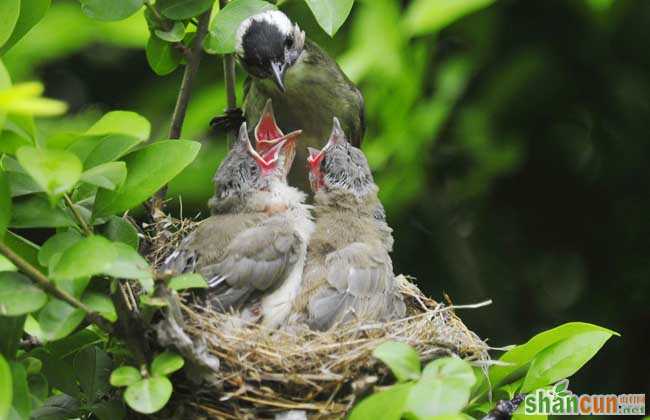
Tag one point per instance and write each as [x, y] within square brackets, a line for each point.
[87, 230]
[229, 79]
[178, 117]
[47, 286]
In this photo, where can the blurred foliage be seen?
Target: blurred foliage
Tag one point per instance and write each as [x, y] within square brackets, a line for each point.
[509, 140]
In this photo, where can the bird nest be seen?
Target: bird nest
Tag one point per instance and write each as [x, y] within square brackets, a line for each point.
[248, 371]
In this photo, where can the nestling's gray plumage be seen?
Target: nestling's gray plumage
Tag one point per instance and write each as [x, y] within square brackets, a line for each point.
[307, 86]
[348, 274]
[252, 249]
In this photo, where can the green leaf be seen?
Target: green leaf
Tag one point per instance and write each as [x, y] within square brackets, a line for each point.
[57, 371]
[67, 347]
[5, 204]
[330, 14]
[16, 133]
[175, 34]
[57, 244]
[18, 295]
[118, 229]
[32, 365]
[58, 319]
[523, 354]
[110, 10]
[58, 407]
[427, 16]
[38, 388]
[6, 387]
[21, 246]
[56, 171]
[125, 376]
[11, 331]
[31, 12]
[6, 265]
[9, 12]
[443, 389]
[128, 264]
[563, 359]
[401, 358]
[163, 57]
[109, 148]
[21, 400]
[109, 410]
[187, 281]
[148, 395]
[88, 257]
[109, 175]
[122, 122]
[183, 9]
[101, 304]
[25, 98]
[92, 367]
[148, 170]
[385, 405]
[225, 24]
[35, 211]
[166, 363]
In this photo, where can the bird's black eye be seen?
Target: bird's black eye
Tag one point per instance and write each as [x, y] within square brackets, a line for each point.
[288, 42]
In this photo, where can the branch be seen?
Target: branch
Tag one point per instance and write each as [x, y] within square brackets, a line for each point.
[44, 283]
[156, 203]
[87, 230]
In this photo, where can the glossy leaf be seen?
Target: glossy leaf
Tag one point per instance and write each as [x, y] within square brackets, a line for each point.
[88, 257]
[58, 319]
[21, 400]
[58, 407]
[449, 368]
[125, 376]
[101, 304]
[5, 204]
[109, 148]
[6, 387]
[183, 9]
[56, 171]
[401, 358]
[523, 354]
[6, 265]
[31, 12]
[175, 34]
[166, 363]
[118, 229]
[9, 12]
[122, 122]
[128, 264]
[110, 10]
[223, 28]
[18, 295]
[92, 367]
[148, 395]
[187, 281]
[330, 14]
[109, 175]
[21, 246]
[426, 16]
[57, 244]
[163, 57]
[563, 359]
[148, 170]
[385, 405]
[35, 211]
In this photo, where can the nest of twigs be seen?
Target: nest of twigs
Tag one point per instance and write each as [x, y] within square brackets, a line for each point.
[251, 372]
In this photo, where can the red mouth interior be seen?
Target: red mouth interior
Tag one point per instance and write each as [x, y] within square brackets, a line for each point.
[266, 131]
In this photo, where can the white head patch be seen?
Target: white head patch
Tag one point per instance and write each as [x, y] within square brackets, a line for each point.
[273, 17]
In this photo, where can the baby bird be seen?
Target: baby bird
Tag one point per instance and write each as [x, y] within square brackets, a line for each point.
[348, 274]
[252, 249]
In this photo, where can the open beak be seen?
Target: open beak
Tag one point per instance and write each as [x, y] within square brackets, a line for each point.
[278, 69]
[267, 131]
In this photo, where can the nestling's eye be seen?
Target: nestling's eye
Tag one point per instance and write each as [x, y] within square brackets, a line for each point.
[288, 42]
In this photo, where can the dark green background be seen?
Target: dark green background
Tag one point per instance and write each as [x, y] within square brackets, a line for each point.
[511, 147]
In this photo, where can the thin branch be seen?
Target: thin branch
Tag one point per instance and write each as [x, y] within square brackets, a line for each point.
[156, 203]
[87, 230]
[44, 283]
[230, 81]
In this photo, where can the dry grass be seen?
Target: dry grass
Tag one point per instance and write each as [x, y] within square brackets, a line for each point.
[260, 372]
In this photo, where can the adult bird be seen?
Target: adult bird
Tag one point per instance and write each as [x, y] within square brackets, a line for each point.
[307, 86]
[348, 274]
[252, 249]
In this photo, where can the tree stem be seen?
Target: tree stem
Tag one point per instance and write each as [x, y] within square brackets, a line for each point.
[156, 203]
[84, 226]
[44, 283]
[230, 80]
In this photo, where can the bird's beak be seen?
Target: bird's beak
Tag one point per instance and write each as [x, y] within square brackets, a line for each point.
[278, 69]
[289, 149]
